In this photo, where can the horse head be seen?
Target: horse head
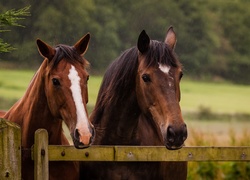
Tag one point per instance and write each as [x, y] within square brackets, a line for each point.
[158, 90]
[66, 89]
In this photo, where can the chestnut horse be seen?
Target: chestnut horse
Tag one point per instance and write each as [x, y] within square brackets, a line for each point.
[58, 92]
[138, 104]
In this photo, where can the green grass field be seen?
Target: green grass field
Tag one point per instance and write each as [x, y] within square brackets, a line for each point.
[219, 97]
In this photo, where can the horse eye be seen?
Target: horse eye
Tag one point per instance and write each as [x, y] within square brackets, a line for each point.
[87, 77]
[146, 78]
[56, 82]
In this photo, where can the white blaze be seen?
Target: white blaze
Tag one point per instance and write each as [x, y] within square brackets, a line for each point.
[164, 68]
[82, 119]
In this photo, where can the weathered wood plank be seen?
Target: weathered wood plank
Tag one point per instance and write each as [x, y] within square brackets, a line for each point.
[40, 154]
[70, 153]
[148, 153]
[184, 154]
[10, 150]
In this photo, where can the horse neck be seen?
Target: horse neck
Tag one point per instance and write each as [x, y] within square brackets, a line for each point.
[116, 113]
[117, 123]
[31, 112]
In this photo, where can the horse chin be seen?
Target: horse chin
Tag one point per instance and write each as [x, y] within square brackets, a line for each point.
[80, 145]
[173, 147]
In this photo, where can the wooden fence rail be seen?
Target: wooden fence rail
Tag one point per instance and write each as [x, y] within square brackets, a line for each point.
[42, 153]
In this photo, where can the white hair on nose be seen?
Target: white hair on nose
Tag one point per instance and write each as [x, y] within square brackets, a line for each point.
[82, 119]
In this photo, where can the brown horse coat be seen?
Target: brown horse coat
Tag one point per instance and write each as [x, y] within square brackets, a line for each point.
[138, 104]
[49, 100]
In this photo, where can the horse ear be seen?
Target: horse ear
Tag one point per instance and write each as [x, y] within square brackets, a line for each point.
[45, 50]
[143, 42]
[171, 38]
[82, 45]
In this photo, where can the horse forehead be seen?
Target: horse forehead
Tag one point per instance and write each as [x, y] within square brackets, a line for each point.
[164, 68]
[64, 68]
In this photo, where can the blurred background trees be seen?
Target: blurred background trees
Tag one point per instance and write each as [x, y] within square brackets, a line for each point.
[213, 36]
[7, 19]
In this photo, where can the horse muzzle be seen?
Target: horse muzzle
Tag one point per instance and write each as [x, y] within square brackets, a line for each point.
[82, 141]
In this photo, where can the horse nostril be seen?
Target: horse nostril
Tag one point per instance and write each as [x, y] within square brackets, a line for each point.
[170, 134]
[77, 134]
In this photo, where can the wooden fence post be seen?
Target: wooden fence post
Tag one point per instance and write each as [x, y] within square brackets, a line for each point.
[41, 160]
[10, 150]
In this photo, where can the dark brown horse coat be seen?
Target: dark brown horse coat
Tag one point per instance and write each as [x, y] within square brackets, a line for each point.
[138, 104]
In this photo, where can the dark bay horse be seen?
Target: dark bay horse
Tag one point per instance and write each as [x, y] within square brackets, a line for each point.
[138, 104]
[58, 92]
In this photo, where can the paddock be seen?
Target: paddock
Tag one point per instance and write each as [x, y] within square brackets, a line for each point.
[11, 153]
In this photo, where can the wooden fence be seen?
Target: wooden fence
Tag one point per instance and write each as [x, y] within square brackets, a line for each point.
[42, 153]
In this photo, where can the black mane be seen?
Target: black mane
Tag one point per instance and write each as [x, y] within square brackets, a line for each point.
[120, 78]
[159, 52]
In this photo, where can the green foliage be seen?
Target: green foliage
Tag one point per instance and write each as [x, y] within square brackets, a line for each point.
[207, 170]
[11, 18]
[235, 170]
[219, 170]
[5, 47]
[213, 36]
